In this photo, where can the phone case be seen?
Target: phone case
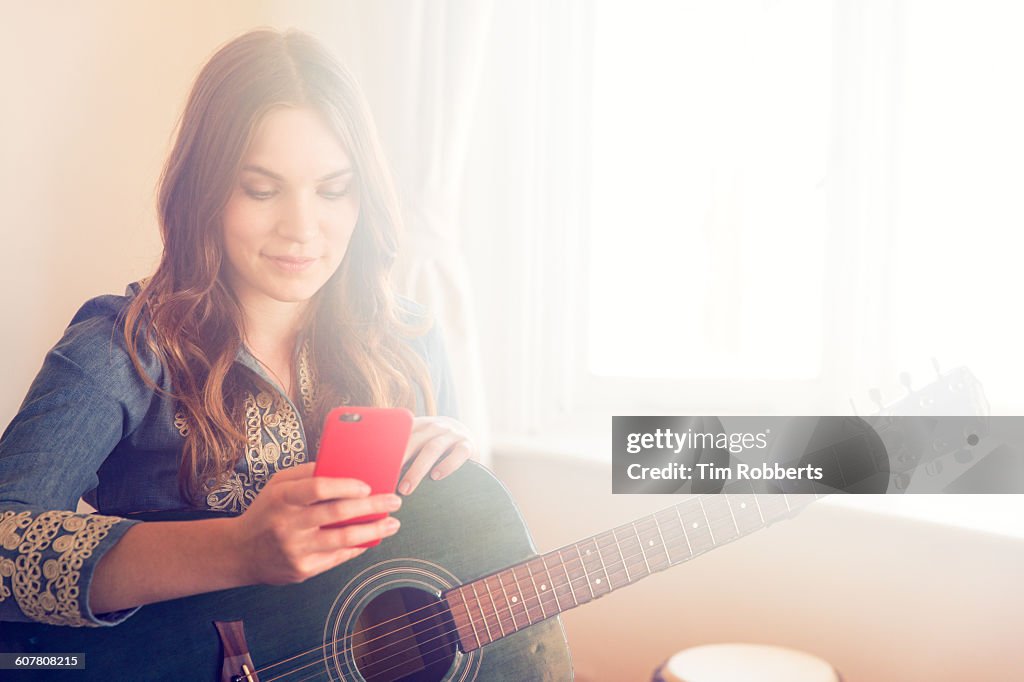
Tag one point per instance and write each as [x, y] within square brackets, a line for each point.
[365, 443]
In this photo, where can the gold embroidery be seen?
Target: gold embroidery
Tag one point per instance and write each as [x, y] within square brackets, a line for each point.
[47, 591]
[181, 422]
[273, 442]
[307, 380]
[10, 524]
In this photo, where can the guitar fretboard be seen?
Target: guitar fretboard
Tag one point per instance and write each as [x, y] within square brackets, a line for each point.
[505, 602]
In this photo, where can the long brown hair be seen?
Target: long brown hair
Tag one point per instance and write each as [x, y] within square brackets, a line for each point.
[187, 315]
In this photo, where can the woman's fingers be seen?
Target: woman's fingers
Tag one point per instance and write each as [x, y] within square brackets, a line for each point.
[334, 539]
[323, 513]
[456, 458]
[428, 455]
[306, 491]
[423, 430]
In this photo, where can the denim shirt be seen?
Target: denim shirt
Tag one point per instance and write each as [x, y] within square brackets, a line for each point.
[91, 428]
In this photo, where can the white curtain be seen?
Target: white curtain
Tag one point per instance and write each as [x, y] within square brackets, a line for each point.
[420, 64]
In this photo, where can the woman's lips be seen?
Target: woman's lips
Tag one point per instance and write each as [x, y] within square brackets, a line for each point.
[291, 263]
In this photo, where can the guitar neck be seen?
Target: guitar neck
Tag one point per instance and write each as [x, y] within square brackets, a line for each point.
[515, 598]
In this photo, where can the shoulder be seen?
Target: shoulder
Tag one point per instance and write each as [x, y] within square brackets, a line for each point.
[94, 341]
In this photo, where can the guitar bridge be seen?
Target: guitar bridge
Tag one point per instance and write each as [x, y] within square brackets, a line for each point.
[237, 665]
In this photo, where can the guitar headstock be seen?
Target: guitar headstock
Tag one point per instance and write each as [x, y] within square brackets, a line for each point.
[931, 453]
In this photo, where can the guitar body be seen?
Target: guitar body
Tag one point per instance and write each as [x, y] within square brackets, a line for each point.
[453, 531]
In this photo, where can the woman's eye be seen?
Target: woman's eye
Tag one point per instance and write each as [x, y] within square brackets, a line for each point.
[259, 195]
[337, 194]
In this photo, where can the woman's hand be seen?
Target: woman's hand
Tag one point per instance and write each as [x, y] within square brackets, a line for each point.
[433, 438]
[279, 535]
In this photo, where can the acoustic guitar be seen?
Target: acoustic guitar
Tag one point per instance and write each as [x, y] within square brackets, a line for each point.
[458, 594]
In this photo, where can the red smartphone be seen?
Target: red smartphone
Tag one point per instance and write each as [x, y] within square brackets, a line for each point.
[366, 443]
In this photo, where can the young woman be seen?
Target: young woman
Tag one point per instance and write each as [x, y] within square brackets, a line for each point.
[205, 385]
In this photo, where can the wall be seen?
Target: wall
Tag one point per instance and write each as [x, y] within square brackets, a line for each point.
[92, 95]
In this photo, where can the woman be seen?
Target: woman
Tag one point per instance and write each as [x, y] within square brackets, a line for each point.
[205, 385]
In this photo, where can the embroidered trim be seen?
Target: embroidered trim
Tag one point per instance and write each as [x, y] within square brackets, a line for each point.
[307, 380]
[274, 442]
[47, 591]
[181, 423]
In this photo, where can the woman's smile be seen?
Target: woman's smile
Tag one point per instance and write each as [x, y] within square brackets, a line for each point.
[291, 264]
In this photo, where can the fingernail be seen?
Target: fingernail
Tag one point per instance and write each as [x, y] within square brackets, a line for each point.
[394, 502]
[405, 488]
[391, 525]
[436, 475]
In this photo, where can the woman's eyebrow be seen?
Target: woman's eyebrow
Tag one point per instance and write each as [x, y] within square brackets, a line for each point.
[270, 174]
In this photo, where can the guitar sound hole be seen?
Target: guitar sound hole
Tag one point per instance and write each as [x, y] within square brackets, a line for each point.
[404, 635]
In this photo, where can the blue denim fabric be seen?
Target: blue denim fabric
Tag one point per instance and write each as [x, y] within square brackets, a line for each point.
[90, 427]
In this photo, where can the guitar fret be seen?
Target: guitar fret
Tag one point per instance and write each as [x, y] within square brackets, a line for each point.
[578, 574]
[531, 602]
[483, 613]
[497, 611]
[586, 573]
[547, 590]
[494, 605]
[631, 553]
[469, 618]
[773, 507]
[599, 585]
[643, 550]
[671, 527]
[604, 566]
[568, 579]
[747, 513]
[516, 600]
[757, 503]
[653, 543]
[695, 525]
[732, 514]
[606, 542]
[682, 527]
[660, 536]
[558, 586]
[706, 521]
[621, 557]
[719, 516]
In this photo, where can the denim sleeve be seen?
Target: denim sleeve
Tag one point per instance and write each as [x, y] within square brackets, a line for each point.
[68, 424]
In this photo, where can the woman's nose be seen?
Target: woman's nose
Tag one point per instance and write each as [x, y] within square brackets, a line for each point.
[300, 222]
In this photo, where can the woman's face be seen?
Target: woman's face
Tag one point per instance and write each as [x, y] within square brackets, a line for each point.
[292, 211]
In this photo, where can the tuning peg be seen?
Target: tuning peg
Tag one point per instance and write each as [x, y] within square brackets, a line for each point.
[935, 364]
[905, 380]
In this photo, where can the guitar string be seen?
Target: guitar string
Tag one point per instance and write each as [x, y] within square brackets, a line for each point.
[429, 606]
[483, 617]
[644, 519]
[444, 646]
